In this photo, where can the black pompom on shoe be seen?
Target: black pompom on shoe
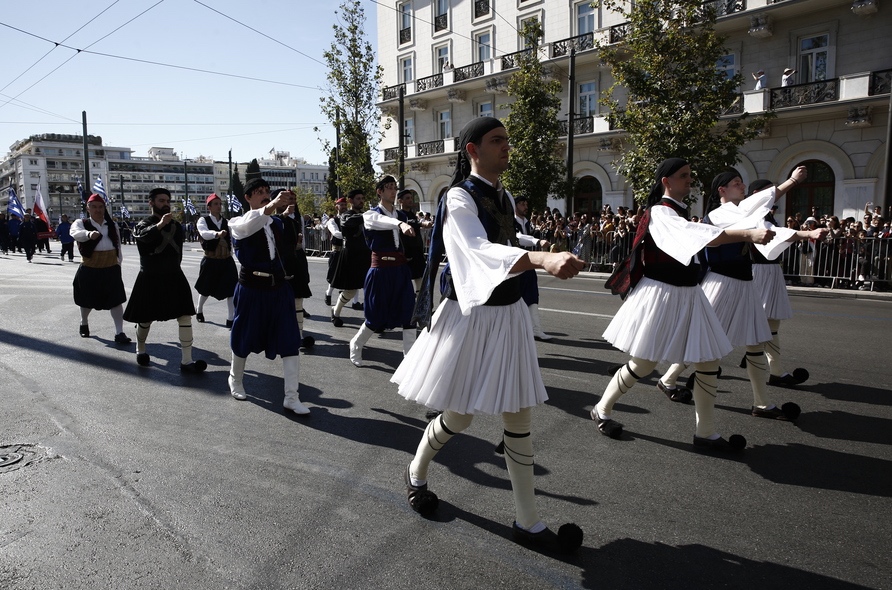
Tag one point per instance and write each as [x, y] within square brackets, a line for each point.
[567, 540]
[421, 500]
[85, 331]
[199, 317]
[608, 427]
[307, 342]
[791, 410]
[734, 444]
[194, 367]
[142, 359]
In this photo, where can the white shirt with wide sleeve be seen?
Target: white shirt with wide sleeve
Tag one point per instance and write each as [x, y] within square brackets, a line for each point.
[375, 220]
[750, 214]
[478, 266]
[209, 233]
[250, 223]
[676, 236]
[82, 234]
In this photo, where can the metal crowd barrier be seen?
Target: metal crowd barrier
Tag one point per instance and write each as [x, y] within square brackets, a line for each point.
[839, 263]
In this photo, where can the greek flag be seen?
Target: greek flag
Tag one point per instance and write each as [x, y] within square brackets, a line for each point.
[235, 206]
[189, 207]
[99, 189]
[125, 212]
[14, 206]
[80, 190]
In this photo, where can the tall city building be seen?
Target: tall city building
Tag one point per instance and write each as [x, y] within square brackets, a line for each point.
[453, 58]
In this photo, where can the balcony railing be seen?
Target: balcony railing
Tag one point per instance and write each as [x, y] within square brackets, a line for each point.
[394, 153]
[724, 7]
[736, 107]
[392, 92]
[405, 35]
[619, 32]
[579, 42]
[434, 81]
[456, 144]
[481, 8]
[512, 60]
[805, 94]
[880, 82]
[441, 22]
[430, 148]
[474, 70]
[580, 125]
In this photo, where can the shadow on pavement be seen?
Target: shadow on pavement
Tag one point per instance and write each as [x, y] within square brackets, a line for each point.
[850, 392]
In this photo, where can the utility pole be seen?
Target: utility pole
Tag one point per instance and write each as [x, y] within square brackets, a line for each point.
[402, 148]
[86, 164]
[571, 83]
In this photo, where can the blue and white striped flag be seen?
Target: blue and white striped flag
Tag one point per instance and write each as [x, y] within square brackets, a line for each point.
[125, 212]
[14, 206]
[80, 190]
[189, 207]
[235, 206]
[99, 189]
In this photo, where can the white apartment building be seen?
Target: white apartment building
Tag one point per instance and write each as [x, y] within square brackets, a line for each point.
[453, 59]
[55, 163]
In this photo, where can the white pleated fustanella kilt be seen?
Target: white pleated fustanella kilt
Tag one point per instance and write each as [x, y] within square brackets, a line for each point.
[482, 363]
[739, 309]
[769, 282]
[665, 323]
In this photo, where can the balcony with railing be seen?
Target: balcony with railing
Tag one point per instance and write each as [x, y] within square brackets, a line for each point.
[430, 148]
[880, 82]
[724, 7]
[481, 8]
[441, 22]
[391, 154]
[619, 32]
[435, 81]
[475, 70]
[805, 94]
[512, 60]
[579, 43]
[391, 92]
[405, 35]
[735, 108]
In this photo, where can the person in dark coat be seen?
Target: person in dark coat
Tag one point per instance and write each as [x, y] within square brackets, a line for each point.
[161, 291]
[355, 258]
[28, 236]
[295, 257]
[414, 245]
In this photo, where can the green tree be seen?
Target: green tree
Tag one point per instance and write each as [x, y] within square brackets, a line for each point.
[537, 167]
[668, 94]
[306, 200]
[252, 171]
[354, 81]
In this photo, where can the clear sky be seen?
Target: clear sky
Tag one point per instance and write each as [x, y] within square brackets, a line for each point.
[142, 105]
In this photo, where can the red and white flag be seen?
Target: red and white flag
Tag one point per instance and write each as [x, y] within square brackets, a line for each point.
[40, 207]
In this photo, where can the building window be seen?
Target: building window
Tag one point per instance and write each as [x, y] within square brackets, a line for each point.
[483, 44]
[588, 99]
[726, 65]
[526, 43]
[32, 162]
[481, 8]
[485, 109]
[444, 124]
[814, 58]
[405, 12]
[585, 18]
[815, 196]
[406, 69]
[441, 57]
[409, 130]
[441, 18]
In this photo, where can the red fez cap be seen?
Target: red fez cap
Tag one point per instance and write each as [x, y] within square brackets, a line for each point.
[210, 198]
[341, 200]
[94, 197]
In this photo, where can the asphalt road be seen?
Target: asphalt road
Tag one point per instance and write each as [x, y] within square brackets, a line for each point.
[137, 477]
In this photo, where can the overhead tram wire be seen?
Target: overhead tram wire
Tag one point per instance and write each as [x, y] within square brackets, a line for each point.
[249, 27]
[156, 63]
[118, 28]
[29, 68]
